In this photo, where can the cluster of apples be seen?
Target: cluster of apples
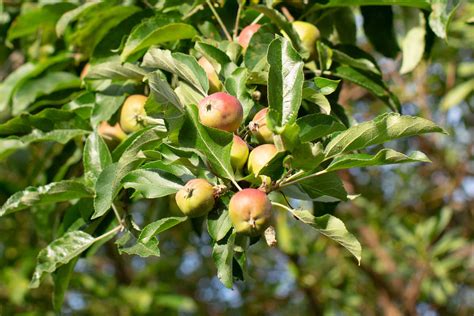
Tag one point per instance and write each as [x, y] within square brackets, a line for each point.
[249, 209]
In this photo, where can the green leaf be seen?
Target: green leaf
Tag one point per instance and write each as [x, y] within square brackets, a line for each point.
[354, 57]
[61, 277]
[422, 4]
[105, 106]
[457, 95]
[25, 72]
[223, 255]
[383, 157]
[344, 21]
[109, 181]
[310, 94]
[216, 57]
[285, 84]
[371, 82]
[325, 86]
[116, 70]
[383, 128]
[379, 28]
[162, 91]
[13, 143]
[96, 23]
[413, 44]
[60, 252]
[151, 184]
[213, 144]
[441, 14]
[155, 31]
[159, 226]
[33, 89]
[72, 15]
[106, 188]
[333, 228]
[46, 120]
[318, 125]
[184, 66]
[143, 250]
[96, 157]
[326, 187]
[255, 57]
[283, 24]
[42, 18]
[47, 194]
[218, 224]
[235, 84]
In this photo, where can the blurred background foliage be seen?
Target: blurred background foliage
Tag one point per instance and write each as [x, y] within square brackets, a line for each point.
[415, 221]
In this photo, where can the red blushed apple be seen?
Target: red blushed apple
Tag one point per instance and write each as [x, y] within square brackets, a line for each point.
[259, 127]
[84, 71]
[250, 212]
[132, 109]
[238, 153]
[215, 84]
[196, 198]
[222, 111]
[112, 135]
[246, 35]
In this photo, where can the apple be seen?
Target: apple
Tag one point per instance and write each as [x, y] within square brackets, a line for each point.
[238, 153]
[196, 198]
[258, 127]
[215, 84]
[84, 71]
[112, 135]
[246, 35]
[260, 156]
[222, 111]
[250, 212]
[132, 109]
[308, 34]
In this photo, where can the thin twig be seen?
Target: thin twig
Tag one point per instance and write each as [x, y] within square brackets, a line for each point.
[110, 232]
[218, 18]
[287, 183]
[117, 214]
[258, 18]
[237, 20]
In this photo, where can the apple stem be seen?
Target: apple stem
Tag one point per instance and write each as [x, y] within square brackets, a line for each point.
[218, 18]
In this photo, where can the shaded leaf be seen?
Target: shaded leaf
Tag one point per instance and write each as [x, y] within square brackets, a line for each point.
[159, 226]
[285, 84]
[385, 127]
[60, 252]
[155, 31]
[151, 184]
[383, 157]
[223, 255]
[333, 228]
[318, 125]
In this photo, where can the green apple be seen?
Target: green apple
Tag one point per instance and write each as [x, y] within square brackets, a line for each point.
[258, 127]
[308, 34]
[132, 109]
[215, 84]
[222, 111]
[238, 153]
[260, 156]
[250, 212]
[196, 198]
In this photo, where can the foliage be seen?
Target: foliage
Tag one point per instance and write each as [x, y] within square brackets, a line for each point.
[79, 62]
